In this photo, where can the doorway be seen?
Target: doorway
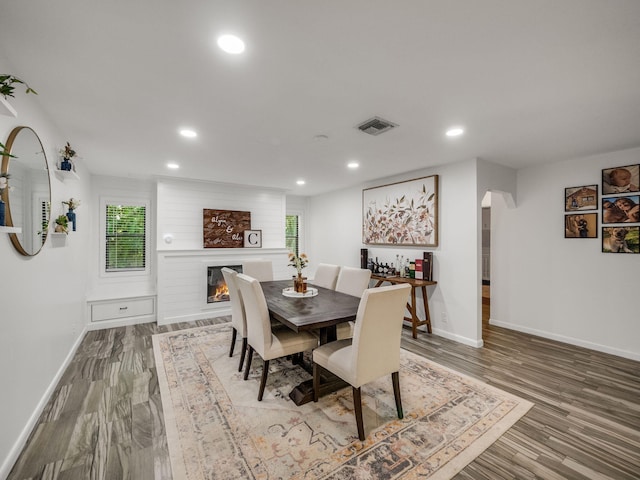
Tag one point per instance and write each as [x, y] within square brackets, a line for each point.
[486, 261]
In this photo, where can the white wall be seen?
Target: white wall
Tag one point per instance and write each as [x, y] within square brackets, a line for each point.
[41, 297]
[334, 235]
[564, 289]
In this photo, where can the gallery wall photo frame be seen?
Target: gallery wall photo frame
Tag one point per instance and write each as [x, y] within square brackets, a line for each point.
[581, 225]
[624, 179]
[253, 239]
[621, 239]
[581, 198]
[621, 209]
[402, 213]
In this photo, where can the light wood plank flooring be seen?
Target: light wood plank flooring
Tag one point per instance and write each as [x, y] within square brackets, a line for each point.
[105, 417]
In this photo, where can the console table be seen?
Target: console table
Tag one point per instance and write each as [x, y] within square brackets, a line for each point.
[411, 306]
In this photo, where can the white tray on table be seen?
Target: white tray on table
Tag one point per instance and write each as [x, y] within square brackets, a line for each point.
[290, 292]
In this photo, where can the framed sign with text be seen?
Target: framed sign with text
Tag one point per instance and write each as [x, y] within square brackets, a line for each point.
[224, 228]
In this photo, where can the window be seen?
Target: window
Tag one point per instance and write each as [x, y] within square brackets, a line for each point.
[292, 237]
[125, 237]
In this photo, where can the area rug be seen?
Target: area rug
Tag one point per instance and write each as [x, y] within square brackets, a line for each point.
[216, 428]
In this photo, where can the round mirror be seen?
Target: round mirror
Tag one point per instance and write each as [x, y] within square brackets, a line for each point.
[28, 198]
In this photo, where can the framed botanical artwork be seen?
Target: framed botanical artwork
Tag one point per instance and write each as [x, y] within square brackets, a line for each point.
[252, 238]
[621, 179]
[581, 198]
[621, 239]
[403, 213]
[621, 209]
[581, 225]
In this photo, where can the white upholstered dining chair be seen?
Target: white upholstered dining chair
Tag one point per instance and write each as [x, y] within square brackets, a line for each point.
[238, 320]
[352, 281]
[326, 276]
[261, 270]
[267, 342]
[373, 351]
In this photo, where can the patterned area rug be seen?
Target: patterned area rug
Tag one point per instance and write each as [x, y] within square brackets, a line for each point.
[216, 428]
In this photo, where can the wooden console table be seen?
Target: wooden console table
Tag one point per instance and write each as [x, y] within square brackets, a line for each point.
[411, 306]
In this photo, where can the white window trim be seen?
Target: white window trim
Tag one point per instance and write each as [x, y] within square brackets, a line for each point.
[128, 201]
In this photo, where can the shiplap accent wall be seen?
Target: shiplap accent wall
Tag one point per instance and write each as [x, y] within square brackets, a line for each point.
[182, 260]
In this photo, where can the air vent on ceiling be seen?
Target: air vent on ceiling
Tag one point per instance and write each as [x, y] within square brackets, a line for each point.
[376, 126]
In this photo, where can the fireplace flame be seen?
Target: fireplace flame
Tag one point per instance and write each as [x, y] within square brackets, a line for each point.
[222, 293]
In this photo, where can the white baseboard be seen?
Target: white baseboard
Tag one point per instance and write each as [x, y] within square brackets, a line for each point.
[21, 441]
[192, 317]
[570, 340]
[458, 338]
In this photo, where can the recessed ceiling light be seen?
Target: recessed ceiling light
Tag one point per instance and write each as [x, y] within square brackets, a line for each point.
[301, 182]
[455, 131]
[231, 44]
[173, 166]
[185, 132]
[353, 165]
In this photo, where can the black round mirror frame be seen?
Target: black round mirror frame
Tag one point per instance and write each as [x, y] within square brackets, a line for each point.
[6, 162]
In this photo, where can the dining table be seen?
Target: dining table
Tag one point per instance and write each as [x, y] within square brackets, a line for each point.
[321, 312]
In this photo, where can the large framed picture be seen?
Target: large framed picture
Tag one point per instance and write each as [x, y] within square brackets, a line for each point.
[224, 228]
[581, 198]
[403, 213]
[581, 225]
[621, 239]
[621, 179]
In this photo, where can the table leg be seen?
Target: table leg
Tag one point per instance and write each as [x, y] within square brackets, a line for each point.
[426, 309]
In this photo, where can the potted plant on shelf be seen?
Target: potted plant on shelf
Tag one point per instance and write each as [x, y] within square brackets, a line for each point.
[67, 153]
[62, 224]
[299, 262]
[7, 88]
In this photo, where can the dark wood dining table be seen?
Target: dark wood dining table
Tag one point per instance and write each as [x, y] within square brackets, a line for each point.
[321, 313]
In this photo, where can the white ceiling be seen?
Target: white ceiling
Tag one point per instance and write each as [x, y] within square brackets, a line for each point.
[532, 81]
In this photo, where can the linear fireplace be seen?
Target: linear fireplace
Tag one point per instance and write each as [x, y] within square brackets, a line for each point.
[217, 290]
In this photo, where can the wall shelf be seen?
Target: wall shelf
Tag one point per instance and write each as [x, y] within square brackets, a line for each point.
[6, 108]
[64, 175]
[10, 230]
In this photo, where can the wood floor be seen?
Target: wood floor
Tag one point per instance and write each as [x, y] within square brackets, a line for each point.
[105, 421]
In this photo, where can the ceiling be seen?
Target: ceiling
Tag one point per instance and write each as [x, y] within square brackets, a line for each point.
[530, 81]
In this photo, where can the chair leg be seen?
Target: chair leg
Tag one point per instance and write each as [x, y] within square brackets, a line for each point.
[395, 377]
[243, 353]
[249, 359]
[233, 341]
[263, 381]
[316, 382]
[357, 407]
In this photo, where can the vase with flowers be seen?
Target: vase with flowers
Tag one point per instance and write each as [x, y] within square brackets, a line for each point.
[4, 185]
[68, 154]
[299, 262]
[72, 203]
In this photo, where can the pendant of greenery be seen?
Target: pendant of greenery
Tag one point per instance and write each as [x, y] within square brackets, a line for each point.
[7, 85]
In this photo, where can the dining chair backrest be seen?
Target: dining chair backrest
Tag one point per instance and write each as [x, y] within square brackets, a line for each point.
[256, 312]
[353, 281]
[238, 319]
[378, 329]
[326, 276]
[261, 270]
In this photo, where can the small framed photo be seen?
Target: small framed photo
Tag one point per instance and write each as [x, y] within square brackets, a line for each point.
[253, 238]
[621, 209]
[581, 198]
[621, 179]
[621, 239]
[581, 225]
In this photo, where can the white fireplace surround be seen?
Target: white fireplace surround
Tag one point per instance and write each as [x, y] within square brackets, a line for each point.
[182, 287]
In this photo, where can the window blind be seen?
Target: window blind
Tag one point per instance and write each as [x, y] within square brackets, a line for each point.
[125, 238]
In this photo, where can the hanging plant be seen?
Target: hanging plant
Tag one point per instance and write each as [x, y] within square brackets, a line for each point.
[7, 85]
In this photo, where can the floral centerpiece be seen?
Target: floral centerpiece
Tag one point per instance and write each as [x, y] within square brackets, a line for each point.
[299, 262]
[67, 153]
